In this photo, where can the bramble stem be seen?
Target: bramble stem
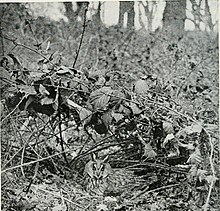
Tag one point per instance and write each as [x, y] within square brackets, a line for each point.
[80, 44]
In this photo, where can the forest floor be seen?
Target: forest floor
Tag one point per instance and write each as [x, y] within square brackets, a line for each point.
[147, 101]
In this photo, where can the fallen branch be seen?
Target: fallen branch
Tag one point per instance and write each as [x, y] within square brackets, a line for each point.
[154, 190]
[35, 161]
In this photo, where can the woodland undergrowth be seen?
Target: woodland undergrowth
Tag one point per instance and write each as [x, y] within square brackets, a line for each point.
[147, 101]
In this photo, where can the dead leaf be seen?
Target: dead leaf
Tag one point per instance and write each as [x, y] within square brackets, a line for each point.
[27, 89]
[43, 91]
[46, 101]
[135, 109]
[85, 115]
[141, 86]
[167, 127]
[60, 207]
[211, 178]
[201, 174]
[117, 116]
[148, 151]
[195, 157]
[102, 207]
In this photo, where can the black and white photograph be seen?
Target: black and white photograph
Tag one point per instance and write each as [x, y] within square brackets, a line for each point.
[109, 105]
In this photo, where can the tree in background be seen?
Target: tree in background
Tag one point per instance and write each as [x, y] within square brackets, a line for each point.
[197, 13]
[208, 17]
[174, 17]
[201, 15]
[140, 15]
[126, 7]
[97, 16]
[149, 11]
[71, 14]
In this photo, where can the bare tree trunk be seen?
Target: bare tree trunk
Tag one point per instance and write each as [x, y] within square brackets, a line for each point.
[196, 12]
[131, 15]
[208, 17]
[149, 12]
[174, 17]
[70, 14]
[140, 17]
[81, 5]
[126, 7]
[97, 16]
[121, 14]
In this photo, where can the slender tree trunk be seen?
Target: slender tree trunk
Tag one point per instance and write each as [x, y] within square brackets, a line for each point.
[97, 16]
[140, 17]
[126, 7]
[121, 14]
[208, 17]
[149, 12]
[131, 15]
